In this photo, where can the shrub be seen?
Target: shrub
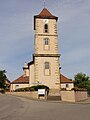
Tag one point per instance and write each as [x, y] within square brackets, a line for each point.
[63, 89]
[20, 90]
[40, 87]
[79, 89]
[28, 89]
[33, 88]
[2, 91]
[88, 90]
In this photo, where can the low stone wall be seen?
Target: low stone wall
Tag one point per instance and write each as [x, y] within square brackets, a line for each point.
[33, 95]
[81, 95]
[73, 96]
[68, 96]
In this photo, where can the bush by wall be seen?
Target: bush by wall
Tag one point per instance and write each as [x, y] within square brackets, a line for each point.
[33, 88]
[79, 89]
[40, 87]
[24, 89]
[2, 91]
[63, 89]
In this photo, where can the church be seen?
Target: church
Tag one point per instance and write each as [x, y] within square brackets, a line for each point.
[44, 69]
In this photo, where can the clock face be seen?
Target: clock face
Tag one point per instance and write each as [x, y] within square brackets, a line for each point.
[46, 20]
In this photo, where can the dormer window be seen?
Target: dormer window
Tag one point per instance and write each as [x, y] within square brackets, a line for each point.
[46, 28]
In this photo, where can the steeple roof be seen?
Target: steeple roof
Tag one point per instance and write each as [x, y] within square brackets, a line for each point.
[45, 14]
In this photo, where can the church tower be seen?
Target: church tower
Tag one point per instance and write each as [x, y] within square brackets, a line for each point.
[46, 55]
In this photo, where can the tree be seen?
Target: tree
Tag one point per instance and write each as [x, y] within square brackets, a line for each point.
[82, 81]
[2, 79]
[88, 86]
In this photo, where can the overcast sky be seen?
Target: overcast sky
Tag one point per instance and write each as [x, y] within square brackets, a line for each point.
[17, 34]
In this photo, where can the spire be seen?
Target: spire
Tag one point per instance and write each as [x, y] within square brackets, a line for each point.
[46, 14]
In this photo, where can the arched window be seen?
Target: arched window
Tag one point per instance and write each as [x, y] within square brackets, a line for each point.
[46, 44]
[46, 65]
[46, 41]
[46, 28]
[47, 69]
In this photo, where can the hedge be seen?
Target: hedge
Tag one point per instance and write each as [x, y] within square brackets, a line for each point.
[33, 88]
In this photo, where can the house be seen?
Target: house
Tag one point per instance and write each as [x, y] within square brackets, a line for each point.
[44, 67]
[21, 82]
[66, 83]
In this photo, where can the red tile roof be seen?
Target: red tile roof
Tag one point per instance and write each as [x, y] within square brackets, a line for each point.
[25, 80]
[64, 79]
[21, 80]
[46, 14]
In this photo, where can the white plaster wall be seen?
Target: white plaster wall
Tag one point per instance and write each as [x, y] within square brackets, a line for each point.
[70, 85]
[31, 76]
[13, 86]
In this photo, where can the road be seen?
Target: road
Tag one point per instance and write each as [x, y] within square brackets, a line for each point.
[16, 108]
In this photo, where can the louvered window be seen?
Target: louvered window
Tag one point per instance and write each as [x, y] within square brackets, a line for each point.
[46, 28]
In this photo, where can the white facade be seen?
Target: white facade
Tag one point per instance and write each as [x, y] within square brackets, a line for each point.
[31, 75]
[67, 86]
[17, 86]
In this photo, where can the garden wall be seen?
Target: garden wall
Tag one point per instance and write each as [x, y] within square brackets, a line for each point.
[73, 96]
[33, 95]
[81, 95]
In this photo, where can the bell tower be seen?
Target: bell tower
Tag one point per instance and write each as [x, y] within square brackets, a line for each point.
[46, 55]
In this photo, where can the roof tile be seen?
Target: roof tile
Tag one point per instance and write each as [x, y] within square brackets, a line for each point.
[21, 80]
[46, 14]
[65, 79]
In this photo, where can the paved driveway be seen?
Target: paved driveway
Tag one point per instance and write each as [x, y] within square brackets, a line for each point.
[16, 108]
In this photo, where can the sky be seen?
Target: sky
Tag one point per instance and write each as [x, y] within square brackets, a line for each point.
[17, 34]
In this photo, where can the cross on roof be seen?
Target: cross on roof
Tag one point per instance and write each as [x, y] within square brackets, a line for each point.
[44, 3]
